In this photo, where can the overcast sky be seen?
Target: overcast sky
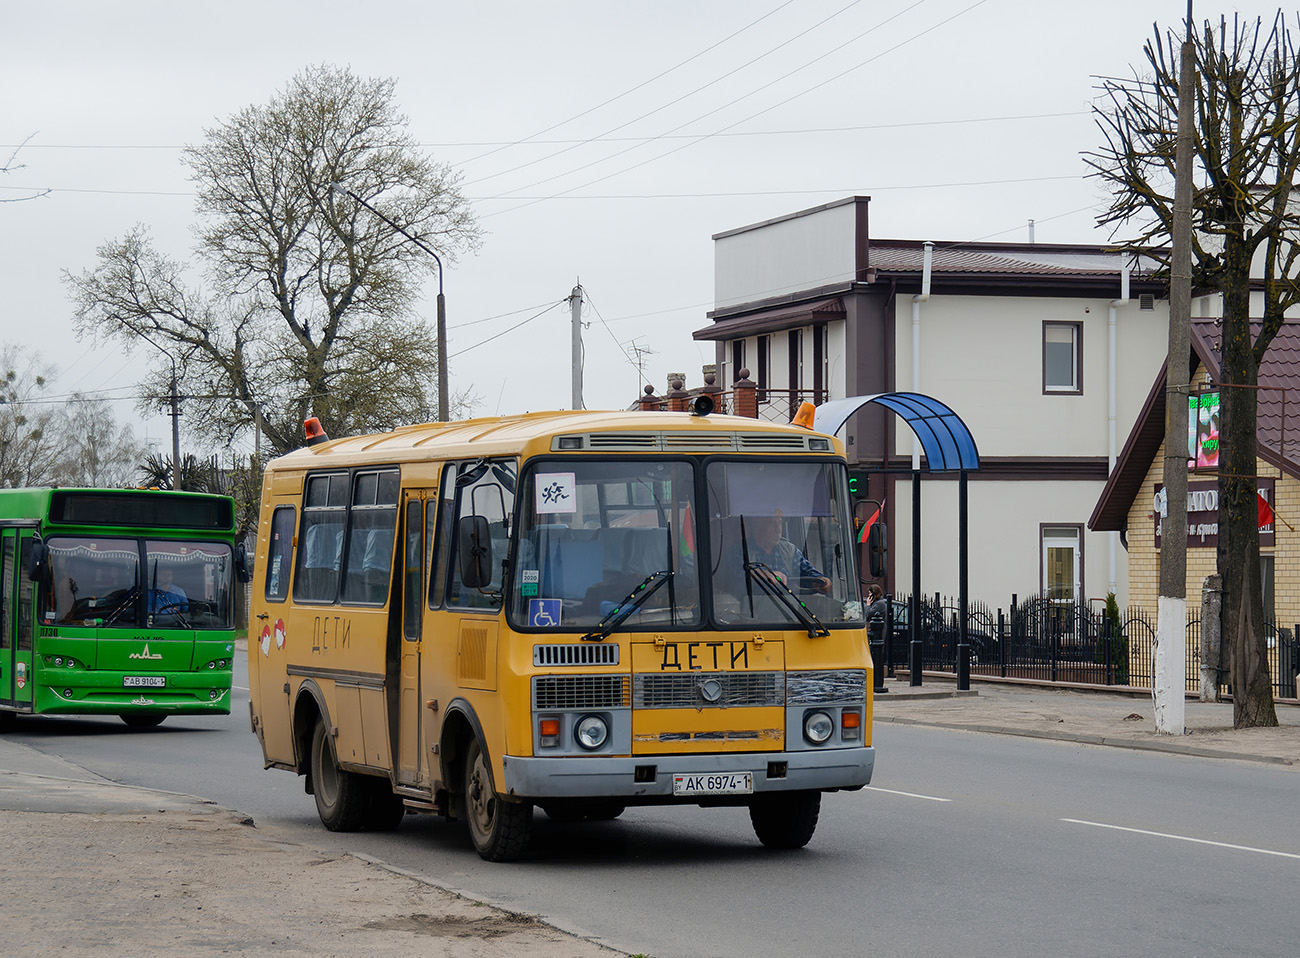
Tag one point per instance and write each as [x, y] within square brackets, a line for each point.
[601, 141]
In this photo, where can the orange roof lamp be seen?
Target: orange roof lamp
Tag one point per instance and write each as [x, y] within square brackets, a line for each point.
[315, 432]
[804, 417]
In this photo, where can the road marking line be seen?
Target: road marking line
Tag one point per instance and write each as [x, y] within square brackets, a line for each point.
[890, 791]
[1183, 838]
[240, 687]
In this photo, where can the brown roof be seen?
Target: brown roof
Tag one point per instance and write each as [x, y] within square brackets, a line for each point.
[1277, 425]
[769, 320]
[1033, 259]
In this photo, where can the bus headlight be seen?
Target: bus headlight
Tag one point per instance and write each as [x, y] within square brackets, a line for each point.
[591, 732]
[818, 727]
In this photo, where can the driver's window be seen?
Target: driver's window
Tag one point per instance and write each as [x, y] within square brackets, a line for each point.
[482, 493]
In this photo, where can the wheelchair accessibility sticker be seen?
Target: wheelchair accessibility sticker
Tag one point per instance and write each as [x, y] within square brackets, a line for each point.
[543, 612]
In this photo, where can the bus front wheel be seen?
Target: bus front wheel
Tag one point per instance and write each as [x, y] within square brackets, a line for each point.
[145, 720]
[785, 819]
[342, 798]
[500, 829]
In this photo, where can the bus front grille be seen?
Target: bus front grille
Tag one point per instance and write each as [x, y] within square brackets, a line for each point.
[693, 690]
[557, 692]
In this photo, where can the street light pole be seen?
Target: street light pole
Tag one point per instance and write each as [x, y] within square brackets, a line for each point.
[442, 302]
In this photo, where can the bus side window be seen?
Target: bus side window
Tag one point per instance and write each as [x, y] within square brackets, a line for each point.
[370, 540]
[320, 540]
[278, 554]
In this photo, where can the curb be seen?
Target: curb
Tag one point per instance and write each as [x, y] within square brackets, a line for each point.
[1171, 747]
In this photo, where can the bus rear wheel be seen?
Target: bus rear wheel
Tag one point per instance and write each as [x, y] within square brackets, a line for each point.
[500, 829]
[145, 720]
[785, 819]
[342, 798]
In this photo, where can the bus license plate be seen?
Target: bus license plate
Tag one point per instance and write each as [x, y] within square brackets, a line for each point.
[144, 682]
[715, 783]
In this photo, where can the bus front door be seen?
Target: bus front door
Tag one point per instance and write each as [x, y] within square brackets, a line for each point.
[410, 712]
[17, 678]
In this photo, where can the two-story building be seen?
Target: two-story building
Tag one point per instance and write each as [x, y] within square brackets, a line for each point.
[1044, 351]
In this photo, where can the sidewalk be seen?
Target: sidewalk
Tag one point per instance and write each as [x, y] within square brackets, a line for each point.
[1117, 719]
[96, 868]
[162, 873]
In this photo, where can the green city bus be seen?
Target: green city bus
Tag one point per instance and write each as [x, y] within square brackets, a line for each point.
[116, 602]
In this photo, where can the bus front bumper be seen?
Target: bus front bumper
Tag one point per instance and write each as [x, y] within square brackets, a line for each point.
[651, 776]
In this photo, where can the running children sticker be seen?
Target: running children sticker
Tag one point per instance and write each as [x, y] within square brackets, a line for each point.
[557, 492]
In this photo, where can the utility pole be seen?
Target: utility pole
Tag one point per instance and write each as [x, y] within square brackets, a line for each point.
[1170, 678]
[575, 307]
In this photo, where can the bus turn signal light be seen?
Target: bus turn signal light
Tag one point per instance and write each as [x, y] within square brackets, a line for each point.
[549, 729]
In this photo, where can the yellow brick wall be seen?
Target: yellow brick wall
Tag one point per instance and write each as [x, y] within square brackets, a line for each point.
[1144, 558]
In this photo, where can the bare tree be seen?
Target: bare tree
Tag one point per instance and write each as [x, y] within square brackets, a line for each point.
[98, 451]
[12, 164]
[1247, 152]
[310, 304]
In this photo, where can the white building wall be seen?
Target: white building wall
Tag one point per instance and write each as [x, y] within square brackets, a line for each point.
[1005, 520]
[786, 256]
[983, 357]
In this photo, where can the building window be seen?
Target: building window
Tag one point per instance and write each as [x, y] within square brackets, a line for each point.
[737, 358]
[764, 367]
[1062, 358]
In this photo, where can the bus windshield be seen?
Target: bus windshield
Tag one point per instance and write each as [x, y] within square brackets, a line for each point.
[101, 582]
[599, 538]
[781, 548]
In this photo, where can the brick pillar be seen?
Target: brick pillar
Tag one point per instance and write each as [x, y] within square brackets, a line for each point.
[744, 395]
[648, 401]
[679, 400]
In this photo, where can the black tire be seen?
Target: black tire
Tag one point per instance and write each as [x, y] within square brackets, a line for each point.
[145, 720]
[499, 829]
[385, 810]
[343, 799]
[584, 811]
[785, 819]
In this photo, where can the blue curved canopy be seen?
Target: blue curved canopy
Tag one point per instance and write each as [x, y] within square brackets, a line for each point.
[947, 442]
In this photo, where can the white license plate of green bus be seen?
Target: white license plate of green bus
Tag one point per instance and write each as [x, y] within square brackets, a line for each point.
[144, 682]
[714, 783]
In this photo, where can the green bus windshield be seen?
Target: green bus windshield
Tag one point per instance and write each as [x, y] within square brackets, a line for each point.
[115, 582]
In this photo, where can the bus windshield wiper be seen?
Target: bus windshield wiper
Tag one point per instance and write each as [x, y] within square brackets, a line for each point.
[635, 599]
[767, 581]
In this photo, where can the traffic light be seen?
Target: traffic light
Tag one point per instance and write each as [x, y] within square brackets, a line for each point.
[858, 483]
[877, 549]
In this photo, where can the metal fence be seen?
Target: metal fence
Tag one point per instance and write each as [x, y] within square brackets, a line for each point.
[1052, 641]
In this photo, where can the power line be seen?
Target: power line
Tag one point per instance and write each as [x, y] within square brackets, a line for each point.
[503, 332]
[798, 69]
[633, 89]
[673, 102]
[706, 136]
[910, 124]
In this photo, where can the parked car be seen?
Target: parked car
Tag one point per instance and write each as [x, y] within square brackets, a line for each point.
[939, 633]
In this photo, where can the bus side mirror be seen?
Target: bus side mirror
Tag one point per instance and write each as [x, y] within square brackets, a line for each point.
[474, 546]
[243, 564]
[878, 549]
[34, 558]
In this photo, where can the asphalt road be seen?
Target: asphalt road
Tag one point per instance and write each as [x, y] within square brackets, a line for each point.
[966, 844]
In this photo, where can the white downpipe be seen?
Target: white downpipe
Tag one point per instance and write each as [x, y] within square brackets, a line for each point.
[1112, 407]
[917, 300]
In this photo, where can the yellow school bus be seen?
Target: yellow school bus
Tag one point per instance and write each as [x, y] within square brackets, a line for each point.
[571, 611]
